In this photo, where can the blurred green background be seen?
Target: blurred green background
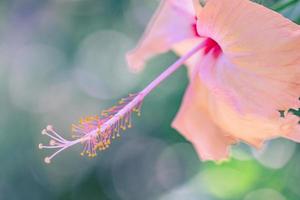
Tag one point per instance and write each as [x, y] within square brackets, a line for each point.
[61, 60]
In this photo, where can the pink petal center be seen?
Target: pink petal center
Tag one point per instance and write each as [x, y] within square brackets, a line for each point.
[211, 45]
[194, 28]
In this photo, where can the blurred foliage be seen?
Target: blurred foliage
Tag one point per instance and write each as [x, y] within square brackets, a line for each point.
[63, 59]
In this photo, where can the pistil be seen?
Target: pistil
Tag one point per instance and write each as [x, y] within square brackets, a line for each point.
[96, 132]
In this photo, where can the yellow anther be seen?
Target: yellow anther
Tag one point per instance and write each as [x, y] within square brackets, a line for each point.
[100, 144]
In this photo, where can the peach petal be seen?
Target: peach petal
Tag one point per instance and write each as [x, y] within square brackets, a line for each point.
[193, 121]
[262, 51]
[232, 109]
[172, 23]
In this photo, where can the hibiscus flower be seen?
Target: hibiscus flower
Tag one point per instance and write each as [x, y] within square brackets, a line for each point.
[247, 71]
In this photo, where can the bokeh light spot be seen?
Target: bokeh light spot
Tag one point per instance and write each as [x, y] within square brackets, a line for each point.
[231, 179]
[276, 153]
[264, 194]
[101, 67]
